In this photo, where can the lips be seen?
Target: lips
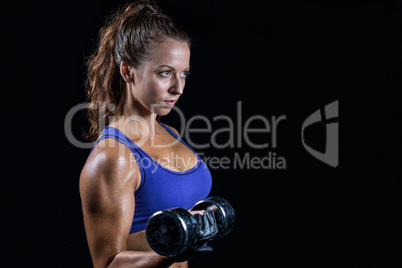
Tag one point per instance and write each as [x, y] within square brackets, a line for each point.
[170, 103]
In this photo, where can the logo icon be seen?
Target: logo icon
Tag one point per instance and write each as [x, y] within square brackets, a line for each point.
[331, 154]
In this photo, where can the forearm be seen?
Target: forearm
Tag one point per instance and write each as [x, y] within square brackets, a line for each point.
[139, 259]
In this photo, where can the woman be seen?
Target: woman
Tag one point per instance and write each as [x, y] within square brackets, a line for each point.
[138, 165]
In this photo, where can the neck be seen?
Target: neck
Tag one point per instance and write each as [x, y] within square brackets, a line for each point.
[134, 119]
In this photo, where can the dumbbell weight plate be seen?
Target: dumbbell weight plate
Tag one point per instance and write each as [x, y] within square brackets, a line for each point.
[171, 232]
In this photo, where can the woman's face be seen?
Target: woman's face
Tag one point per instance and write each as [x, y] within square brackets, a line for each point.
[160, 80]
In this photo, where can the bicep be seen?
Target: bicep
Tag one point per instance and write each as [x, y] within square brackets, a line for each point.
[107, 194]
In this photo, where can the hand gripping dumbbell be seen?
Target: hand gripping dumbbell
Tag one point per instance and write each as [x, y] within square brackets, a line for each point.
[176, 232]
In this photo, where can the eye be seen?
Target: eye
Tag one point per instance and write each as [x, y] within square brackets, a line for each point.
[165, 73]
[185, 74]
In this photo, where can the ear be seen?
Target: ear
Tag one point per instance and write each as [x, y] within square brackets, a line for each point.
[126, 72]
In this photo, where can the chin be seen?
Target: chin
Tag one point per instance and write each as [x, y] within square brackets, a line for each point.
[162, 111]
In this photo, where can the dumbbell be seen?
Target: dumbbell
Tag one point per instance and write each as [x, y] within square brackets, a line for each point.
[176, 231]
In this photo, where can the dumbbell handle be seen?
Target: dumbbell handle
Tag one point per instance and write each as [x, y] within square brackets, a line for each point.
[223, 211]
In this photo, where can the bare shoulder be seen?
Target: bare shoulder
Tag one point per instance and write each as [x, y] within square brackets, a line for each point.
[110, 163]
[172, 129]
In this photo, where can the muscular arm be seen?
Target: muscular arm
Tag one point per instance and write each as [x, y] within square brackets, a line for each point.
[107, 185]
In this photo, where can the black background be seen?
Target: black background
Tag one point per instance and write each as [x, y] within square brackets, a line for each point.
[276, 57]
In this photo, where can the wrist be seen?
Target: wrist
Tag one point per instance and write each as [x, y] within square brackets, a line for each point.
[164, 260]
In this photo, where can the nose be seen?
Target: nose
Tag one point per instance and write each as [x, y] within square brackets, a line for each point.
[177, 85]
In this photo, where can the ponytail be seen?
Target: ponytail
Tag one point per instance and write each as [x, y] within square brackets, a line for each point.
[126, 37]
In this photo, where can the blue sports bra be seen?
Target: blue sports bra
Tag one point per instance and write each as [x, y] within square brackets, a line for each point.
[162, 188]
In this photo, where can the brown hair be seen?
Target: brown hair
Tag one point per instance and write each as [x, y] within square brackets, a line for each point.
[127, 37]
